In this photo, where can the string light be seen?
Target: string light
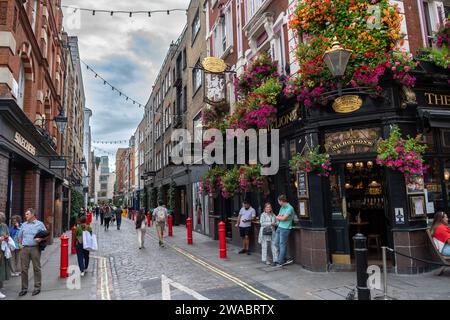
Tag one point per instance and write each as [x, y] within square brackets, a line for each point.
[127, 98]
[130, 13]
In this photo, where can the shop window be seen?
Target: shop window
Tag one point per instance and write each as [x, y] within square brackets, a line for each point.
[446, 138]
[429, 140]
[433, 186]
[336, 195]
[292, 148]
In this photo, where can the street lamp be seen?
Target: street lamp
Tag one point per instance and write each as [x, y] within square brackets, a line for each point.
[336, 59]
[61, 122]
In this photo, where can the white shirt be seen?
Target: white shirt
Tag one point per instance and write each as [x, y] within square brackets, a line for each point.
[246, 214]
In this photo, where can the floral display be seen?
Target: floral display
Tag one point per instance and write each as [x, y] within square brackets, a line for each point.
[312, 161]
[229, 184]
[440, 53]
[353, 23]
[258, 91]
[250, 179]
[211, 182]
[404, 155]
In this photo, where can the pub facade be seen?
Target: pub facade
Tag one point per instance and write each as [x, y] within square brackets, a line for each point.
[360, 196]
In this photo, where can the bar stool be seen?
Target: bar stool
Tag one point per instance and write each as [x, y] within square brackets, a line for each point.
[374, 242]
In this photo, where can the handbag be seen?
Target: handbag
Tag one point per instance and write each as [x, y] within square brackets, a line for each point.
[267, 231]
[89, 241]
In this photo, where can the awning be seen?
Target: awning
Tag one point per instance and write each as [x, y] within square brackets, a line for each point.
[435, 118]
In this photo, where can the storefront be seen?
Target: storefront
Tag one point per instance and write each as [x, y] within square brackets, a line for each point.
[25, 178]
[361, 196]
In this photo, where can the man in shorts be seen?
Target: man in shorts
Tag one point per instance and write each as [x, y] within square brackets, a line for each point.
[160, 216]
[246, 215]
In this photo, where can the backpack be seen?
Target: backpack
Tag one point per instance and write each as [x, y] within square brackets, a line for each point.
[161, 215]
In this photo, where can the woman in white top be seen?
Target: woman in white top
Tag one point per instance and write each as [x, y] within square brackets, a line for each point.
[268, 223]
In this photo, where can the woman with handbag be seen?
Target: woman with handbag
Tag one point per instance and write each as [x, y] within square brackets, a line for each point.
[141, 226]
[268, 223]
[82, 254]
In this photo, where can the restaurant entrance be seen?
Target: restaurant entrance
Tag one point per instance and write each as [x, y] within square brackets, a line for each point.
[358, 206]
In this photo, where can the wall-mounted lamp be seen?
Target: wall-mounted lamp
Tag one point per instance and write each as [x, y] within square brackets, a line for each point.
[446, 175]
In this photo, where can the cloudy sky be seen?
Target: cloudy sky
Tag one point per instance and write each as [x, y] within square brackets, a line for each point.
[128, 52]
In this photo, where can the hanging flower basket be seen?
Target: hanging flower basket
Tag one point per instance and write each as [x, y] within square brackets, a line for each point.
[211, 181]
[312, 161]
[404, 155]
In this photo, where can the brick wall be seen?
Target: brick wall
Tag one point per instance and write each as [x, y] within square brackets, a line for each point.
[413, 25]
[32, 186]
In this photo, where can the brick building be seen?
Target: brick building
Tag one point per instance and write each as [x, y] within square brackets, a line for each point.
[32, 69]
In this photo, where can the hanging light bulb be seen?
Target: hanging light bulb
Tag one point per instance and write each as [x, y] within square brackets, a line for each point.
[446, 175]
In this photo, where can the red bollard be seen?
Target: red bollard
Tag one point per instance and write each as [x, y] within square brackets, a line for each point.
[189, 230]
[64, 256]
[149, 219]
[222, 241]
[170, 225]
[132, 215]
[73, 250]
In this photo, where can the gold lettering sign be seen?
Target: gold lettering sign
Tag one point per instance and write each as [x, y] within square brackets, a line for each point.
[347, 104]
[352, 142]
[435, 99]
[214, 65]
[21, 141]
[284, 120]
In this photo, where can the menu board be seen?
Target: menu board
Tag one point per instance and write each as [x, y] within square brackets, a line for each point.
[302, 179]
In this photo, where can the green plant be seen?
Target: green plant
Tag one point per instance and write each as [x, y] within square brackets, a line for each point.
[312, 161]
[76, 203]
[211, 181]
[230, 182]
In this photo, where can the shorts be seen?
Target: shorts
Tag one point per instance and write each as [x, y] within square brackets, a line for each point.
[160, 227]
[245, 231]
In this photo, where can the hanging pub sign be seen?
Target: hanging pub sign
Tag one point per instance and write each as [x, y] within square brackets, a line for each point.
[214, 65]
[58, 164]
[352, 141]
[215, 88]
[347, 104]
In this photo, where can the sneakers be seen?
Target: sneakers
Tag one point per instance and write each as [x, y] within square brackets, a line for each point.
[2, 296]
[268, 263]
[242, 251]
[15, 274]
[82, 274]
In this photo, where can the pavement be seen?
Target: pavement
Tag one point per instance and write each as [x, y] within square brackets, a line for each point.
[119, 270]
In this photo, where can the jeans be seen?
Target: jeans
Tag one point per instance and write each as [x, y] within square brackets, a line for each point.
[119, 222]
[446, 250]
[107, 220]
[281, 241]
[141, 236]
[82, 257]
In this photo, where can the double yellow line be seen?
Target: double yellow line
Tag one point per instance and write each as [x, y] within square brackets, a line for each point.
[228, 276]
[104, 280]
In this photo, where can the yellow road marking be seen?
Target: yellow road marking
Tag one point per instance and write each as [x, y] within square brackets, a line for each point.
[234, 279]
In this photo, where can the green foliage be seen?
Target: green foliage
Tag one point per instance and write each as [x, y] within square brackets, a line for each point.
[312, 161]
[76, 203]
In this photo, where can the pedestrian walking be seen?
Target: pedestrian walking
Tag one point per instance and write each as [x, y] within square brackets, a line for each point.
[97, 212]
[31, 250]
[16, 224]
[113, 215]
[246, 215]
[107, 218]
[82, 254]
[266, 236]
[102, 215]
[160, 216]
[285, 218]
[118, 213]
[141, 227]
[4, 235]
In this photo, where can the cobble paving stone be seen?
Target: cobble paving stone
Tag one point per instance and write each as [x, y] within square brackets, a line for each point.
[136, 274]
